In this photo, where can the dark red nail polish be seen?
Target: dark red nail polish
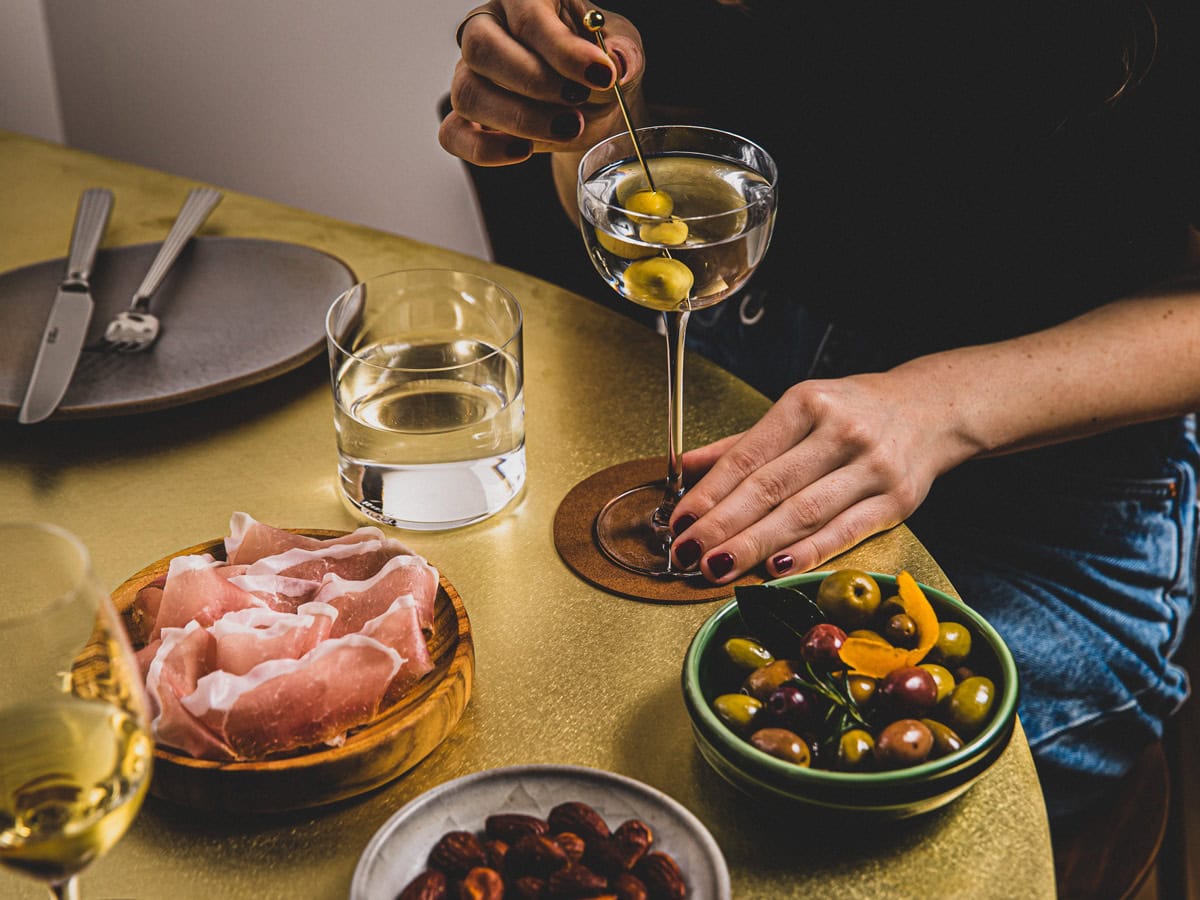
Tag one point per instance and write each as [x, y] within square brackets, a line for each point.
[783, 563]
[574, 92]
[720, 564]
[598, 74]
[518, 148]
[688, 553]
[682, 524]
[565, 125]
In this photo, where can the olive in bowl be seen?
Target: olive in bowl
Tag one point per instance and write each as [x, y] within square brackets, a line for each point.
[891, 726]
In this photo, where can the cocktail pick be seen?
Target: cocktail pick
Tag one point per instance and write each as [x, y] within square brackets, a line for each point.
[593, 21]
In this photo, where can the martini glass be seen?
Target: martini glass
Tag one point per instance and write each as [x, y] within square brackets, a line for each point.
[676, 220]
[75, 753]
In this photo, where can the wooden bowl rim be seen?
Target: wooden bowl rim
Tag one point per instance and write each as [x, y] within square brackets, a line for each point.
[387, 723]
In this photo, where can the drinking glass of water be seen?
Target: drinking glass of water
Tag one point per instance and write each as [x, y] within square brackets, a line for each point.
[428, 397]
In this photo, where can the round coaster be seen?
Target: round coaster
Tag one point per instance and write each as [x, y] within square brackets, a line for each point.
[576, 543]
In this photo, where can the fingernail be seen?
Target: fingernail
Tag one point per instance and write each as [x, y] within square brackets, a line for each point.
[688, 553]
[682, 524]
[599, 74]
[565, 125]
[782, 563]
[720, 564]
[574, 92]
[518, 148]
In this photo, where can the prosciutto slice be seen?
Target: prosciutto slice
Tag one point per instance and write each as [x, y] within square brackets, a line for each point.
[400, 628]
[290, 703]
[359, 601]
[250, 540]
[245, 638]
[196, 591]
[356, 560]
[276, 591]
[183, 658]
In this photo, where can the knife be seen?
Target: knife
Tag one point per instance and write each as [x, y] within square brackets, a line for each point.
[67, 326]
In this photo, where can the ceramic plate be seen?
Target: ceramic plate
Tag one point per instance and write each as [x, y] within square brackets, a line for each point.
[392, 743]
[234, 312]
[397, 852]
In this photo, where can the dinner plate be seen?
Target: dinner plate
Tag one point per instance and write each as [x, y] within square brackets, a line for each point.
[234, 312]
[392, 743]
[397, 852]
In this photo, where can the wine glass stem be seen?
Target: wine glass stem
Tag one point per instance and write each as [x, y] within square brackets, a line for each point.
[65, 890]
[675, 325]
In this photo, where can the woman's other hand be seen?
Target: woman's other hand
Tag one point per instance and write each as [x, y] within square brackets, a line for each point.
[532, 79]
[831, 463]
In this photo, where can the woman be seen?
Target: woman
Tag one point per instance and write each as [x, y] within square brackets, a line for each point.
[980, 313]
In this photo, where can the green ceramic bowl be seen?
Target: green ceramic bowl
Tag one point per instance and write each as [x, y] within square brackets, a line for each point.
[893, 794]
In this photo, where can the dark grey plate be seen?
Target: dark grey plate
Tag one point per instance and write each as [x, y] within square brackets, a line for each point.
[234, 312]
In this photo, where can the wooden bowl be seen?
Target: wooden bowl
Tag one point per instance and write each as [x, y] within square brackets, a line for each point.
[392, 743]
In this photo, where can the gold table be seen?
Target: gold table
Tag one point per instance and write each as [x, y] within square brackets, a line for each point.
[565, 673]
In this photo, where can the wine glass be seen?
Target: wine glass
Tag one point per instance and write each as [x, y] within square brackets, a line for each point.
[676, 220]
[75, 754]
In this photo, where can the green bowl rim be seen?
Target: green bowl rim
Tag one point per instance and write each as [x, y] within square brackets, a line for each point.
[733, 746]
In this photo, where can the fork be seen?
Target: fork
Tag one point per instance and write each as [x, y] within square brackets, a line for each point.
[136, 328]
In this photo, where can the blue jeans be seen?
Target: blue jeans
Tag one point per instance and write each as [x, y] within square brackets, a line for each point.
[1084, 558]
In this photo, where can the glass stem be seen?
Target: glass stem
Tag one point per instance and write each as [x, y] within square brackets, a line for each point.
[65, 890]
[675, 325]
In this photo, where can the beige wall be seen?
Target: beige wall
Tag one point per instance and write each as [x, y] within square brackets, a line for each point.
[328, 106]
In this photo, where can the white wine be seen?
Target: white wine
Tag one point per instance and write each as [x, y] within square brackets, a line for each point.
[430, 433]
[696, 255]
[73, 774]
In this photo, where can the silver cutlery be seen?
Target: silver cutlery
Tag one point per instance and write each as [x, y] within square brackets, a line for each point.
[136, 329]
[66, 328]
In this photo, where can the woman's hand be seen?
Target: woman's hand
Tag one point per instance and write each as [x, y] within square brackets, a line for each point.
[529, 81]
[831, 463]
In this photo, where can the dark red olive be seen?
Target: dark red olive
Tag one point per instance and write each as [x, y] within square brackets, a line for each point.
[820, 645]
[789, 706]
[907, 692]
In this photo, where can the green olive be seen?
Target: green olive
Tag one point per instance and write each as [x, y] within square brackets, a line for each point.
[849, 598]
[861, 688]
[903, 743]
[737, 711]
[867, 635]
[650, 203]
[856, 750]
[747, 653]
[623, 249]
[670, 233]
[763, 680]
[970, 704]
[782, 744]
[901, 631]
[953, 644]
[944, 739]
[942, 679]
[660, 282]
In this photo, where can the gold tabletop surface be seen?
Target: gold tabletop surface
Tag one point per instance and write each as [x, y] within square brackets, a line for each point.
[565, 673]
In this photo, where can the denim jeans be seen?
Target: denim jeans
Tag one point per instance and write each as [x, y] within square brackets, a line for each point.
[1084, 558]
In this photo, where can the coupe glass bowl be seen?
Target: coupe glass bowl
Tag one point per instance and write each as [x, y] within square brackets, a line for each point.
[897, 793]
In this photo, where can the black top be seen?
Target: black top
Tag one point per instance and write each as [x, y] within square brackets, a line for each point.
[950, 172]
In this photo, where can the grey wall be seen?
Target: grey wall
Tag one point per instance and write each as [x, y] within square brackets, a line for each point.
[327, 106]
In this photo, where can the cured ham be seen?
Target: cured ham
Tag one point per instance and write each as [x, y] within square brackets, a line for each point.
[251, 636]
[250, 540]
[257, 714]
[196, 591]
[359, 601]
[292, 643]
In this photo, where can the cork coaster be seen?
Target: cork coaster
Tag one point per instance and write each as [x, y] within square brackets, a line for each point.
[576, 544]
